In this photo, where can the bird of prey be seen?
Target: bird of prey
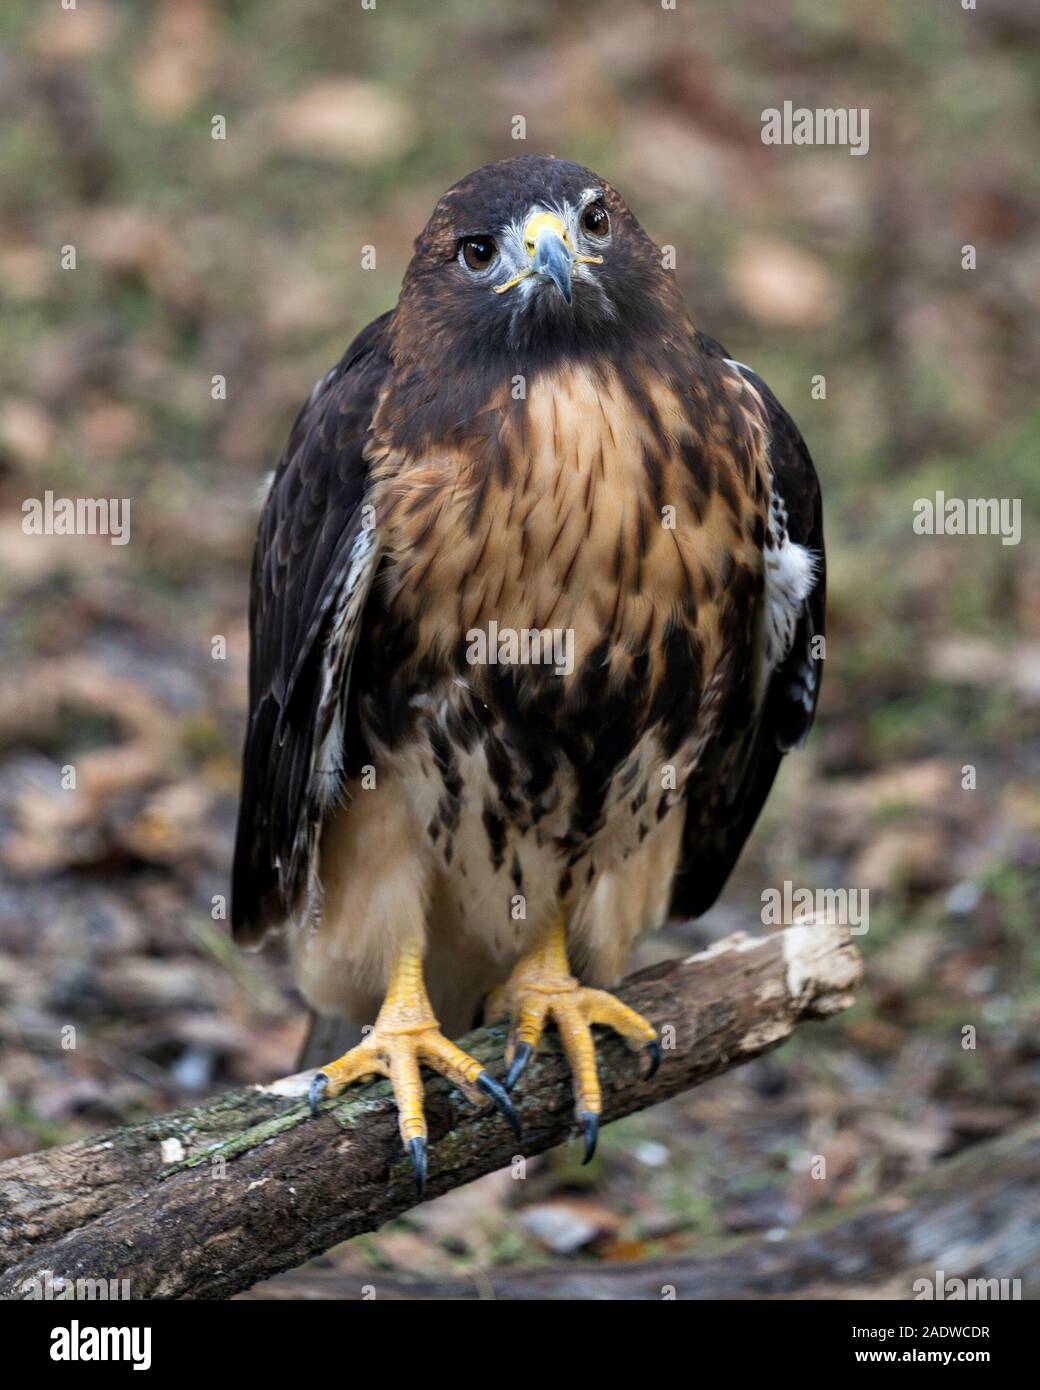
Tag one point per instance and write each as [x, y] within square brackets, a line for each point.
[535, 605]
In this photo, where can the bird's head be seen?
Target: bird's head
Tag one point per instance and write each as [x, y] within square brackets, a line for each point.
[530, 259]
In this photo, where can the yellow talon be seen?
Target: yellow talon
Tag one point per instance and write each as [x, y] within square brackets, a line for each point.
[541, 988]
[406, 1037]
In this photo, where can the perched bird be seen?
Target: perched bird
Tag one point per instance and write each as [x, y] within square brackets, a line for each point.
[535, 606]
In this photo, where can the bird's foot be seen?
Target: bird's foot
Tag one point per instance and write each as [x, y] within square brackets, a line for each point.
[542, 990]
[406, 1037]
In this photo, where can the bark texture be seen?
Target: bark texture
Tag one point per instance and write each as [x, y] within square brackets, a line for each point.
[973, 1217]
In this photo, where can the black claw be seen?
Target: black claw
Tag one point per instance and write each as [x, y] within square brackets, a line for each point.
[521, 1057]
[491, 1088]
[420, 1165]
[653, 1050]
[590, 1128]
[316, 1090]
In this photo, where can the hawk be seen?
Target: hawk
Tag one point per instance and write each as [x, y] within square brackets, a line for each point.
[535, 601]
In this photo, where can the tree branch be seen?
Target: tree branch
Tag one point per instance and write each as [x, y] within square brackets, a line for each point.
[973, 1217]
[206, 1201]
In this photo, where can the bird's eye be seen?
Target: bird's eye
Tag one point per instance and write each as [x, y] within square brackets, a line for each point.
[594, 219]
[478, 251]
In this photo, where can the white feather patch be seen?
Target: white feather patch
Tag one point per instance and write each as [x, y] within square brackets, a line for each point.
[338, 655]
[791, 572]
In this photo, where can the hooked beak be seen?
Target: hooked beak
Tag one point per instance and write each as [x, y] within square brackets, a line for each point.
[551, 258]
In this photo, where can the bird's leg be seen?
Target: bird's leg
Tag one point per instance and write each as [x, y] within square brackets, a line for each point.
[406, 1036]
[542, 988]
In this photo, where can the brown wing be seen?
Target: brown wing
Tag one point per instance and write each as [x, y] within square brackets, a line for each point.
[715, 829]
[316, 552]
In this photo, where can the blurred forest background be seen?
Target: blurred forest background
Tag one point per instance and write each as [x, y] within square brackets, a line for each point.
[242, 258]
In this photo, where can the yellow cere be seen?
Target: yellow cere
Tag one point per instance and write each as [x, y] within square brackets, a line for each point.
[543, 222]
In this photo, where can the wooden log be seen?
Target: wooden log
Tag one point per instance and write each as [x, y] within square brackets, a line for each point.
[967, 1229]
[206, 1201]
